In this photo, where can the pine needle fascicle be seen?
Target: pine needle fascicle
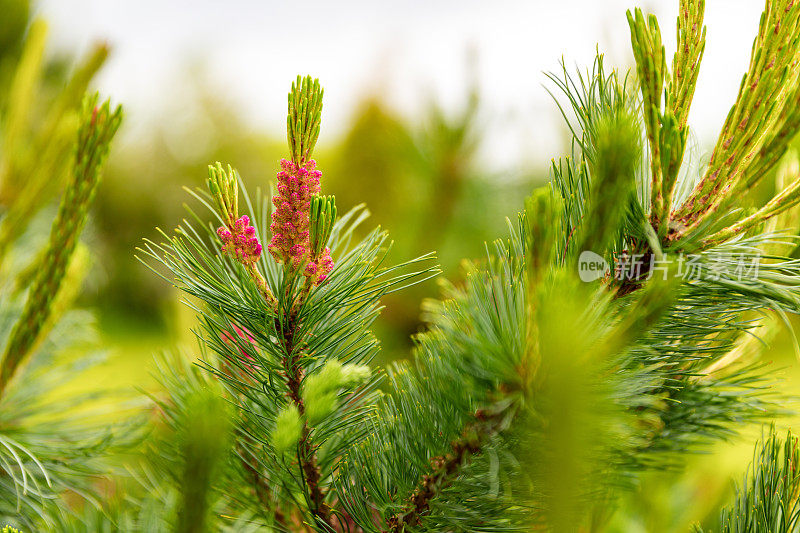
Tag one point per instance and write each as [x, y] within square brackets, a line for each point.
[768, 498]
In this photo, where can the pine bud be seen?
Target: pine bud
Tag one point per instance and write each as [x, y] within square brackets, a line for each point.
[321, 388]
[323, 215]
[303, 121]
[238, 237]
[223, 186]
[288, 427]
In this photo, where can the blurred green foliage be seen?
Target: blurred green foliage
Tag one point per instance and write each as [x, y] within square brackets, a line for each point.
[15, 21]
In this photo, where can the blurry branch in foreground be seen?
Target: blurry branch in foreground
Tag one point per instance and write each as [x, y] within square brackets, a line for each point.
[99, 124]
[35, 153]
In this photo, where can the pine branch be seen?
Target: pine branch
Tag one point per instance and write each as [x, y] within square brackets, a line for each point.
[444, 468]
[223, 186]
[203, 443]
[52, 446]
[237, 234]
[94, 138]
[666, 127]
[769, 497]
[615, 155]
[303, 124]
[758, 128]
[314, 312]
[695, 335]
[595, 98]
[306, 452]
[21, 97]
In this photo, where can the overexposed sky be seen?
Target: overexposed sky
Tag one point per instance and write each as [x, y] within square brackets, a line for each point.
[410, 51]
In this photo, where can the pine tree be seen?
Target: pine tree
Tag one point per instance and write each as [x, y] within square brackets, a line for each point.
[768, 498]
[534, 397]
[608, 334]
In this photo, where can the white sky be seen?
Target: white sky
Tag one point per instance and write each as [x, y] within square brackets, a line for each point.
[408, 50]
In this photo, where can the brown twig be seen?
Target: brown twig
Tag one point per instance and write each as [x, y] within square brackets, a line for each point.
[306, 453]
[444, 469]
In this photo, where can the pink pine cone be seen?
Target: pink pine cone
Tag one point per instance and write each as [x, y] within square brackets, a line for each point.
[240, 241]
[318, 270]
[290, 220]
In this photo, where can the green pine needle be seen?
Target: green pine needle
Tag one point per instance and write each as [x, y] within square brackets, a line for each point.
[303, 122]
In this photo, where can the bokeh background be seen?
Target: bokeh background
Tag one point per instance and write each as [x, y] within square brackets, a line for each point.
[437, 115]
